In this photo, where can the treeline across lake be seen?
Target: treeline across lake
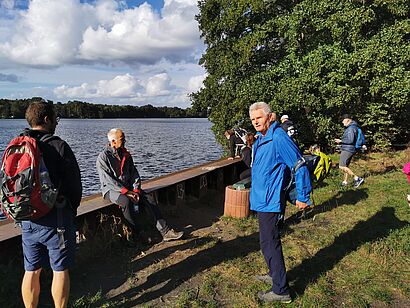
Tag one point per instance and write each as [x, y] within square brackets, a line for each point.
[77, 109]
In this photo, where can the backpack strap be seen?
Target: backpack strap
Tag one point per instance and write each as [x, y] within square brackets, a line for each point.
[299, 163]
[59, 205]
[48, 137]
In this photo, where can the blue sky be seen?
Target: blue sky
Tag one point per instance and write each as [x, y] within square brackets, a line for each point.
[103, 51]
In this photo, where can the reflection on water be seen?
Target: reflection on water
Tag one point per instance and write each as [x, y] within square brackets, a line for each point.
[158, 146]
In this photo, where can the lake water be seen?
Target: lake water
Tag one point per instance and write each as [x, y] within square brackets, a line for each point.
[158, 146]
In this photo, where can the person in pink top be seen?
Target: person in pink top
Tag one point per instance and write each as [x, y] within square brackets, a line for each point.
[406, 171]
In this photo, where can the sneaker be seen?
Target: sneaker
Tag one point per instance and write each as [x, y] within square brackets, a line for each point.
[270, 297]
[171, 235]
[343, 184]
[264, 278]
[358, 182]
[2, 216]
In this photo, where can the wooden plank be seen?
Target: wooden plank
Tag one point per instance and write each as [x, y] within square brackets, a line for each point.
[96, 202]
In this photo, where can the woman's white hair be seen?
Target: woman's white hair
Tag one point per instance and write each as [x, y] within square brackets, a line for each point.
[112, 134]
[260, 105]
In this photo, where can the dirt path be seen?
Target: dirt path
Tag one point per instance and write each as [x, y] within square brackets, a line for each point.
[155, 275]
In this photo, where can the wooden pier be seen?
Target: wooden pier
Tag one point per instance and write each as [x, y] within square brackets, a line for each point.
[170, 190]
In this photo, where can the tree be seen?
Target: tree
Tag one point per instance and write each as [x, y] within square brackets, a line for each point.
[311, 59]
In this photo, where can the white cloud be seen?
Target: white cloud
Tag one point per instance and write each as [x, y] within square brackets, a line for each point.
[53, 33]
[48, 33]
[94, 51]
[158, 85]
[195, 83]
[120, 86]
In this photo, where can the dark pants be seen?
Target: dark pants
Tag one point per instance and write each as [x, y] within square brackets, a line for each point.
[245, 174]
[271, 247]
[131, 214]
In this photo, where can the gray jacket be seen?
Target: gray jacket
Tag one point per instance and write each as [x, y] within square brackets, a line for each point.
[349, 138]
[117, 171]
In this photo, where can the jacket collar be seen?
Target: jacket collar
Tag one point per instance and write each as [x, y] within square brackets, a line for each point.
[269, 134]
[122, 151]
[353, 123]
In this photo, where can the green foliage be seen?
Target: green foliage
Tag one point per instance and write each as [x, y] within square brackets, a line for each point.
[76, 109]
[311, 59]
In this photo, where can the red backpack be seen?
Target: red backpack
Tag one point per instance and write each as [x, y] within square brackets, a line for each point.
[26, 191]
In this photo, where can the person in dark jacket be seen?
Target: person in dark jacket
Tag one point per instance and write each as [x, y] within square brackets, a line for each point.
[247, 156]
[43, 244]
[235, 144]
[348, 148]
[288, 126]
[121, 184]
[274, 155]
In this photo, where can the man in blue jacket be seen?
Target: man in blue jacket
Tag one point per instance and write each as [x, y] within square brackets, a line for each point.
[348, 142]
[274, 155]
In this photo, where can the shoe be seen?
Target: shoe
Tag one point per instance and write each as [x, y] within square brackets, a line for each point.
[264, 278]
[343, 184]
[270, 297]
[358, 182]
[171, 235]
[2, 216]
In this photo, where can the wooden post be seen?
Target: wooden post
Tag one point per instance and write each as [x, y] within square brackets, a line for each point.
[236, 202]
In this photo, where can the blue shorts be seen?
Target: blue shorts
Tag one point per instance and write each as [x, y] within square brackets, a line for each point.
[41, 247]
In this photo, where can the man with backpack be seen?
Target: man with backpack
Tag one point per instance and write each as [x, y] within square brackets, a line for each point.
[48, 235]
[289, 127]
[274, 156]
[351, 142]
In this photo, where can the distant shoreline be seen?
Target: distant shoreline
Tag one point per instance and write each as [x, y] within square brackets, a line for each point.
[15, 109]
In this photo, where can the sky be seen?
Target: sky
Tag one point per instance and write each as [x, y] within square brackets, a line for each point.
[102, 51]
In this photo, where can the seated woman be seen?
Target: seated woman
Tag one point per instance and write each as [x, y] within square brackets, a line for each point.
[247, 156]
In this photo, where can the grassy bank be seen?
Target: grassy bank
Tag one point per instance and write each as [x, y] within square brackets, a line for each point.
[352, 249]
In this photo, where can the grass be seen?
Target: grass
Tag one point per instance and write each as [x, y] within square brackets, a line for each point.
[352, 249]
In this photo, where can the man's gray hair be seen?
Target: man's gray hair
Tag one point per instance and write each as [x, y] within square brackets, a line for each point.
[260, 105]
[112, 134]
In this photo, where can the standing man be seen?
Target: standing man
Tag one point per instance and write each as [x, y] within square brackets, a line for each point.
[121, 184]
[348, 142]
[235, 144]
[288, 126]
[274, 155]
[43, 245]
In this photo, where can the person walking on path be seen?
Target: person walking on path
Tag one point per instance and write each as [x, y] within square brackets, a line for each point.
[121, 184]
[274, 155]
[43, 244]
[348, 149]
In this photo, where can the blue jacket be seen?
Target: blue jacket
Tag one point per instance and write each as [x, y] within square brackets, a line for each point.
[349, 138]
[274, 156]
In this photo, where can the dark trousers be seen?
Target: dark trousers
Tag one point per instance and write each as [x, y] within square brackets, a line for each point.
[129, 210]
[271, 247]
[245, 174]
